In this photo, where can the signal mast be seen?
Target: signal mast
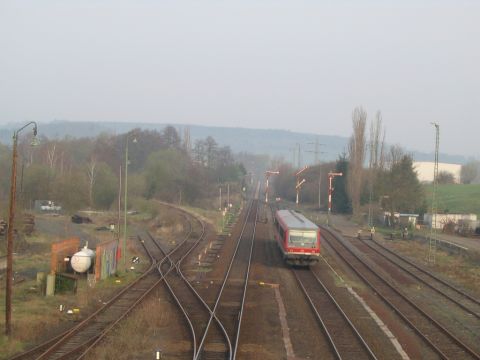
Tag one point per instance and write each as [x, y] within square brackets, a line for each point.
[299, 183]
[268, 173]
[331, 176]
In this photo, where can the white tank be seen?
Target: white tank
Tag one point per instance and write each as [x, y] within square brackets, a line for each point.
[82, 260]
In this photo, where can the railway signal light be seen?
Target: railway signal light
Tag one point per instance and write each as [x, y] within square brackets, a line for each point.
[268, 173]
[331, 176]
[299, 183]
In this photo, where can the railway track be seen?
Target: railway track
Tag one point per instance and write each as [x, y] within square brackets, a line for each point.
[457, 296]
[343, 337]
[77, 341]
[189, 242]
[229, 305]
[439, 339]
[195, 310]
[69, 344]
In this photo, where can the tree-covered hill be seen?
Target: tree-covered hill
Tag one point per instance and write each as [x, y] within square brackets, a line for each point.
[272, 142]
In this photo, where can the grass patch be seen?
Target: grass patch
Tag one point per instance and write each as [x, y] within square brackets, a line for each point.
[461, 269]
[138, 334]
[213, 217]
[36, 317]
[457, 198]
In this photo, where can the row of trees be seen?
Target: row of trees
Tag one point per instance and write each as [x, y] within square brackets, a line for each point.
[86, 172]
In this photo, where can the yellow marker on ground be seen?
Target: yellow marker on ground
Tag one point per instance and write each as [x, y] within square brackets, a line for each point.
[262, 283]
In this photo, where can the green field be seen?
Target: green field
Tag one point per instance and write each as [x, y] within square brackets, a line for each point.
[456, 198]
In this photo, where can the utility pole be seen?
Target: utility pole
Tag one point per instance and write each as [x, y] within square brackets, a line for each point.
[432, 241]
[11, 221]
[370, 195]
[220, 207]
[228, 196]
[119, 205]
[331, 176]
[125, 233]
[317, 153]
[299, 160]
[294, 152]
[296, 161]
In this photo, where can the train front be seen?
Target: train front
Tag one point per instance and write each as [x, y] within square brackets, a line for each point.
[303, 247]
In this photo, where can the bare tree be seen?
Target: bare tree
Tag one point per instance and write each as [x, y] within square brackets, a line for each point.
[91, 172]
[395, 154]
[356, 152]
[469, 172]
[52, 156]
[377, 143]
[445, 177]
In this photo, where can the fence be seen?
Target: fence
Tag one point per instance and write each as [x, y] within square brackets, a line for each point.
[106, 259]
[60, 250]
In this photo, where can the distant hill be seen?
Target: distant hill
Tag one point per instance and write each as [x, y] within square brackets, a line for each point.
[276, 143]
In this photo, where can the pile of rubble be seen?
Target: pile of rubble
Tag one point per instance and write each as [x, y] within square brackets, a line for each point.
[3, 227]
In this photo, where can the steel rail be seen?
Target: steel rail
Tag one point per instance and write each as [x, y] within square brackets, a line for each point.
[177, 265]
[162, 278]
[331, 338]
[242, 306]
[425, 337]
[428, 273]
[90, 320]
[222, 288]
[52, 345]
[57, 339]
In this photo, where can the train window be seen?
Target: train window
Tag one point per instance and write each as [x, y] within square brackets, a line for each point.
[303, 239]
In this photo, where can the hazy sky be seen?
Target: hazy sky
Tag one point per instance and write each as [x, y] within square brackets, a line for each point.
[295, 65]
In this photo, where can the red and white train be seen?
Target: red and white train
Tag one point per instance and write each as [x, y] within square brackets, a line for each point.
[297, 237]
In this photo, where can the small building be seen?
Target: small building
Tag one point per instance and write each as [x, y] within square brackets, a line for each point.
[46, 206]
[444, 219]
[402, 219]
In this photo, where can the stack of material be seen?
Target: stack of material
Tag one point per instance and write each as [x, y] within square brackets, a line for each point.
[3, 227]
[28, 224]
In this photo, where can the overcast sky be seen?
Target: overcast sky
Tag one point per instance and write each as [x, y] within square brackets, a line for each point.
[295, 65]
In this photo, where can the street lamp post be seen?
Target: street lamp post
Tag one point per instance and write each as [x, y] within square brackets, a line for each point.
[11, 219]
[124, 253]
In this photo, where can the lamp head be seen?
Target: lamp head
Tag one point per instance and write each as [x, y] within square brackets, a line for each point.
[134, 140]
[34, 141]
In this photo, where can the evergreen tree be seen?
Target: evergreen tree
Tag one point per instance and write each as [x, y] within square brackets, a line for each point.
[341, 202]
[401, 188]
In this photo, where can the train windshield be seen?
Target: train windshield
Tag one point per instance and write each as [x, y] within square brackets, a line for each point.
[303, 239]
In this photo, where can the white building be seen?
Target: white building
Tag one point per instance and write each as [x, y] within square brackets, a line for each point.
[425, 170]
[443, 219]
